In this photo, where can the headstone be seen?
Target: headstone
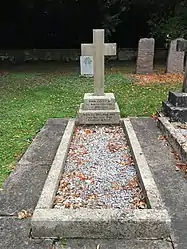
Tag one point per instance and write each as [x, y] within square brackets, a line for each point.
[86, 64]
[182, 47]
[175, 60]
[145, 57]
[176, 106]
[98, 107]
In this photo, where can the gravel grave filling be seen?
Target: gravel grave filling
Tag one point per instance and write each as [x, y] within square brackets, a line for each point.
[99, 171]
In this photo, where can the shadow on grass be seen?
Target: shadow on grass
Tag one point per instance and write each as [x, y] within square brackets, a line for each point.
[73, 67]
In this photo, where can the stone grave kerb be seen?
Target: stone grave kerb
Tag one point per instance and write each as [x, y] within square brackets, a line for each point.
[99, 107]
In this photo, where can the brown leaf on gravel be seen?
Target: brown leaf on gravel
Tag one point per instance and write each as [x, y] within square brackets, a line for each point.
[67, 205]
[140, 204]
[59, 199]
[124, 163]
[87, 131]
[23, 214]
[92, 196]
[82, 176]
[134, 183]
[76, 205]
[115, 186]
[112, 147]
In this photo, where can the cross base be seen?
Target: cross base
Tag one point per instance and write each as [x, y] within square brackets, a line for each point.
[176, 107]
[99, 110]
[95, 102]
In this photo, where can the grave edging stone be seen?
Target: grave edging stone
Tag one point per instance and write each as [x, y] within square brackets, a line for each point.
[48, 222]
[175, 139]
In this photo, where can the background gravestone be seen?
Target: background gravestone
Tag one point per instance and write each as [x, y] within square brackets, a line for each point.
[175, 60]
[145, 56]
[86, 65]
[176, 106]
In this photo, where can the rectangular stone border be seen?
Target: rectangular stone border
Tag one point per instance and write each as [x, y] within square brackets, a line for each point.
[153, 222]
[176, 140]
[51, 184]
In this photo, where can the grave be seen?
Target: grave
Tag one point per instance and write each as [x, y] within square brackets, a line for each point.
[99, 107]
[145, 56]
[122, 221]
[99, 184]
[175, 60]
[176, 106]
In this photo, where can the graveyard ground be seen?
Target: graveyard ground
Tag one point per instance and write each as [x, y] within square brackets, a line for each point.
[25, 184]
[31, 94]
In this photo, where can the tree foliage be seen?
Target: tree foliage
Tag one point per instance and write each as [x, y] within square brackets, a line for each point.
[110, 13]
[61, 21]
[170, 22]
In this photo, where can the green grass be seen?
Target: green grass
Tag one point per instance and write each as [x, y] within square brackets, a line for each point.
[27, 100]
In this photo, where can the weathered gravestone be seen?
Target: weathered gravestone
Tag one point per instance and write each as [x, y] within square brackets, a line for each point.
[175, 60]
[99, 107]
[145, 56]
[86, 65]
[176, 106]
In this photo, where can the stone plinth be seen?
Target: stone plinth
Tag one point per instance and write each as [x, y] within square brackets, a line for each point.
[92, 102]
[99, 110]
[178, 99]
[176, 107]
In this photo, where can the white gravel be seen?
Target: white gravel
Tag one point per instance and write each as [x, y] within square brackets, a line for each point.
[99, 171]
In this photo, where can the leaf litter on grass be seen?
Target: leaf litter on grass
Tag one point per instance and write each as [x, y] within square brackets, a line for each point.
[166, 78]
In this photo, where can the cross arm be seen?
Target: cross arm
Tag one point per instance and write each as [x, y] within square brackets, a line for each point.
[181, 46]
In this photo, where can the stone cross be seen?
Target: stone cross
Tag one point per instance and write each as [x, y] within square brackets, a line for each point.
[182, 46]
[98, 50]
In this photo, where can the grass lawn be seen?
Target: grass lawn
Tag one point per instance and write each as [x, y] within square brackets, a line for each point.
[27, 100]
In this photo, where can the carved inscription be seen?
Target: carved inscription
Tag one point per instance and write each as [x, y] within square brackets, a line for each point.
[100, 117]
[99, 104]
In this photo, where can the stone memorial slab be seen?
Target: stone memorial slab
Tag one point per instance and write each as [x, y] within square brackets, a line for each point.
[99, 116]
[175, 60]
[86, 65]
[145, 56]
